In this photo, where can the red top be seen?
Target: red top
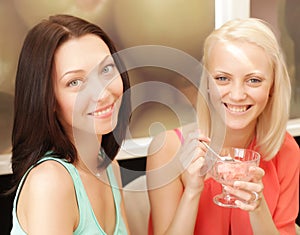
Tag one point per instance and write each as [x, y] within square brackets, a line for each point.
[281, 191]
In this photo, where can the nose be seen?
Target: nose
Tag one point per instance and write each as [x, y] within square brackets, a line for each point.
[97, 89]
[237, 92]
[100, 93]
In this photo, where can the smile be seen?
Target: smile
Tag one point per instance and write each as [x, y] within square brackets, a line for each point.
[237, 108]
[102, 112]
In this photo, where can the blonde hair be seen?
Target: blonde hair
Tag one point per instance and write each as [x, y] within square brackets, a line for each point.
[271, 124]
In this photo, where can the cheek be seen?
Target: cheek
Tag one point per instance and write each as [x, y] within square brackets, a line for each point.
[261, 98]
[215, 91]
[66, 108]
[65, 111]
[215, 96]
[116, 88]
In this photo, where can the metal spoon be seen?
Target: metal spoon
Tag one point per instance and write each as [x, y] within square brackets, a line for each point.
[222, 158]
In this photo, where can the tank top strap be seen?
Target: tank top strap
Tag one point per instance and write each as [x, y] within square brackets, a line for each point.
[62, 161]
[120, 227]
[179, 134]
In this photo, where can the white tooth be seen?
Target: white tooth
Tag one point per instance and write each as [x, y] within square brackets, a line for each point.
[237, 109]
[102, 112]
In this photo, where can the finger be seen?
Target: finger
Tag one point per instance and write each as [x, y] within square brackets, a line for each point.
[191, 145]
[199, 136]
[247, 206]
[188, 152]
[257, 173]
[245, 193]
[256, 197]
[196, 165]
[191, 155]
[198, 153]
[249, 186]
[192, 148]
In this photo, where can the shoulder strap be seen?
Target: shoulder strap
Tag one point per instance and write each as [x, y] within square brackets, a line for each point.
[47, 157]
[179, 134]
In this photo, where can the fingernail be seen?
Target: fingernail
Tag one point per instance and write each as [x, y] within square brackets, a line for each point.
[237, 202]
[226, 188]
[252, 168]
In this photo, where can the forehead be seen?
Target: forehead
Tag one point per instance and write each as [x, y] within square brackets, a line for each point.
[82, 53]
[236, 54]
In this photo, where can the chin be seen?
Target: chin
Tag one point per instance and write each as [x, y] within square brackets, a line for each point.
[104, 131]
[236, 126]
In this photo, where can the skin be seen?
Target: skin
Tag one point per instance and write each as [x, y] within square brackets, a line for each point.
[83, 101]
[47, 203]
[244, 92]
[240, 85]
[180, 195]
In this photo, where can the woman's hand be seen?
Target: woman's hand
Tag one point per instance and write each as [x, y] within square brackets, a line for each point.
[250, 193]
[192, 156]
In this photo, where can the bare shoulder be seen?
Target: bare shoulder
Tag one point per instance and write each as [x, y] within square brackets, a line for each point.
[166, 145]
[48, 199]
[162, 149]
[48, 182]
[48, 176]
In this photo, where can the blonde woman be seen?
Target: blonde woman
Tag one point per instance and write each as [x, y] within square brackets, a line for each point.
[249, 87]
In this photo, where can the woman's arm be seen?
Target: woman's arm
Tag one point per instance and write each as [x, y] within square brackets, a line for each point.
[174, 183]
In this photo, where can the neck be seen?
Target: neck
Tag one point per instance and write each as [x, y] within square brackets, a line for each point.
[239, 138]
[87, 146]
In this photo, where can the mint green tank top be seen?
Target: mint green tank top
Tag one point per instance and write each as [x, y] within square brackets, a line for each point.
[88, 223]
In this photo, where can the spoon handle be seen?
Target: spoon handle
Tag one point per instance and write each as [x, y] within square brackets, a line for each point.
[227, 158]
[210, 149]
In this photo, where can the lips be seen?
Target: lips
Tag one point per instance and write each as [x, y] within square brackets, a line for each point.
[237, 108]
[102, 112]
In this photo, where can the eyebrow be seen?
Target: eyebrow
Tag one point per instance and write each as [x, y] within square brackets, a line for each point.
[81, 70]
[70, 72]
[222, 72]
[255, 73]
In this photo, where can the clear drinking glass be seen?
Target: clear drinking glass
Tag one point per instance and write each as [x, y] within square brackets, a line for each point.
[227, 171]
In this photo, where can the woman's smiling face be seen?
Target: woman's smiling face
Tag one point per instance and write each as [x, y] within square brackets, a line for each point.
[88, 86]
[242, 78]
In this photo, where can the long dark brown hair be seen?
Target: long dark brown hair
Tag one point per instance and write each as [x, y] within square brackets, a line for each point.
[36, 127]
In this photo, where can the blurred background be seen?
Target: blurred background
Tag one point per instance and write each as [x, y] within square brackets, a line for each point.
[173, 23]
